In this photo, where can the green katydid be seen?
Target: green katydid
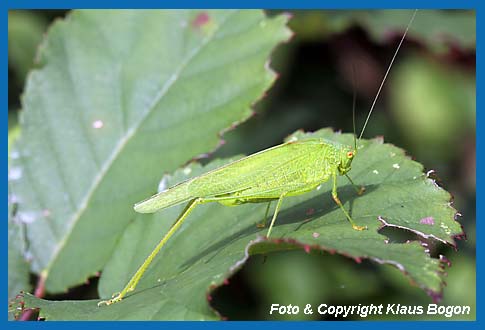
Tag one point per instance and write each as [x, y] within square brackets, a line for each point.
[289, 169]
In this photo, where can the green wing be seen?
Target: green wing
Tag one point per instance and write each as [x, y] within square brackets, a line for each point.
[239, 175]
[245, 173]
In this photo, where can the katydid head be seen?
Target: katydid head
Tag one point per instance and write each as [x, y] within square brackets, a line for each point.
[347, 154]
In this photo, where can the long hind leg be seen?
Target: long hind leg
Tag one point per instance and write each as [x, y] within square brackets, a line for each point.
[141, 270]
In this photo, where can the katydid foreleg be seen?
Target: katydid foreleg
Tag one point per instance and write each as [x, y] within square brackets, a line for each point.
[339, 203]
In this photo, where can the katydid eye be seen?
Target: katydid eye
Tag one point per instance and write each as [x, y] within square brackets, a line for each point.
[350, 154]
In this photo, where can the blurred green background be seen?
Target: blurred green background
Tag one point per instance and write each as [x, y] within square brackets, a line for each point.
[427, 107]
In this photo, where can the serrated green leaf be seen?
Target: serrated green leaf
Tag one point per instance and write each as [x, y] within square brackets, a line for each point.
[215, 241]
[122, 97]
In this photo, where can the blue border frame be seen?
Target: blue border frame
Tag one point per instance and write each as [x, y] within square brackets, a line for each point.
[268, 4]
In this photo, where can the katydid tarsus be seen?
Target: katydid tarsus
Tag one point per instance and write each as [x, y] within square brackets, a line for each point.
[289, 169]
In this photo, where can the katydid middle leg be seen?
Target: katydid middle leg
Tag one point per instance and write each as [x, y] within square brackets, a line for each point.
[278, 205]
[262, 224]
